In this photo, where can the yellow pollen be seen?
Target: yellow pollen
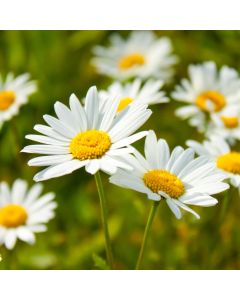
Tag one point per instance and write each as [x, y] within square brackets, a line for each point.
[131, 60]
[161, 180]
[6, 99]
[214, 98]
[229, 162]
[12, 215]
[230, 122]
[124, 103]
[90, 144]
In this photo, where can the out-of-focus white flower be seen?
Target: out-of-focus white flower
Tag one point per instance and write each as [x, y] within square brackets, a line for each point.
[206, 91]
[23, 212]
[14, 92]
[226, 124]
[216, 149]
[135, 92]
[141, 55]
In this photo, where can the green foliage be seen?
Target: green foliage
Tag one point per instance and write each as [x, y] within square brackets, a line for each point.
[60, 62]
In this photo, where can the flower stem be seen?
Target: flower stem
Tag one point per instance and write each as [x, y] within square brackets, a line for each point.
[146, 232]
[103, 204]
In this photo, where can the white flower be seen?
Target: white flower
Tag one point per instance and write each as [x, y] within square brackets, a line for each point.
[206, 91]
[23, 212]
[177, 177]
[129, 93]
[218, 151]
[141, 55]
[226, 124]
[86, 136]
[14, 93]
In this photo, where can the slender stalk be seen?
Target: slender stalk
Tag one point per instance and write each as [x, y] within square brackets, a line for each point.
[103, 204]
[146, 232]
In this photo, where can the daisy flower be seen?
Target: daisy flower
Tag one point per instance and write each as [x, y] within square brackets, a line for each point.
[23, 212]
[217, 150]
[141, 55]
[86, 136]
[226, 124]
[14, 93]
[206, 91]
[179, 178]
[148, 93]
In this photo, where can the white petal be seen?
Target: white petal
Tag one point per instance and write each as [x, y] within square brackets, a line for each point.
[18, 191]
[185, 207]
[33, 193]
[129, 140]
[10, 239]
[174, 208]
[49, 160]
[78, 112]
[25, 235]
[92, 107]
[60, 170]
[93, 166]
[150, 149]
[163, 154]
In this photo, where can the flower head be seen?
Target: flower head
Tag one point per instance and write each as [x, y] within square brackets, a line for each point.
[217, 150]
[23, 212]
[207, 91]
[14, 93]
[130, 93]
[225, 124]
[89, 135]
[177, 177]
[141, 55]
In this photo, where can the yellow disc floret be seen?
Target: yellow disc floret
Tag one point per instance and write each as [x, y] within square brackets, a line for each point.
[211, 101]
[161, 180]
[6, 99]
[229, 162]
[230, 122]
[124, 103]
[131, 60]
[90, 144]
[12, 215]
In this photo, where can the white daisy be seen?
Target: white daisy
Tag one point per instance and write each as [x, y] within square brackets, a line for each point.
[141, 55]
[206, 91]
[177, 177]
[14, 93]
[129, 93]
[23, 212]
[217, 150]
[226, 124]
[86, 136]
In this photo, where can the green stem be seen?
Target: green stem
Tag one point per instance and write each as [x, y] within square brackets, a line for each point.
[146, 232]
[103, 204]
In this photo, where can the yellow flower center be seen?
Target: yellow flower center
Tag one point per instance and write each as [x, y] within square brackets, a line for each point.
[131, 60]
[90, 144]
[211, 101]
[230, 122]
[229, 162]
[161, 180]
[124, 103]
[12, 215]
[6, 99]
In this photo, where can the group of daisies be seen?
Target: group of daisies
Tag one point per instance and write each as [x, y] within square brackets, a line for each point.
[97, 133]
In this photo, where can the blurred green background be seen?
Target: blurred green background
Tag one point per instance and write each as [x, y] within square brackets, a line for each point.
[60, 62]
